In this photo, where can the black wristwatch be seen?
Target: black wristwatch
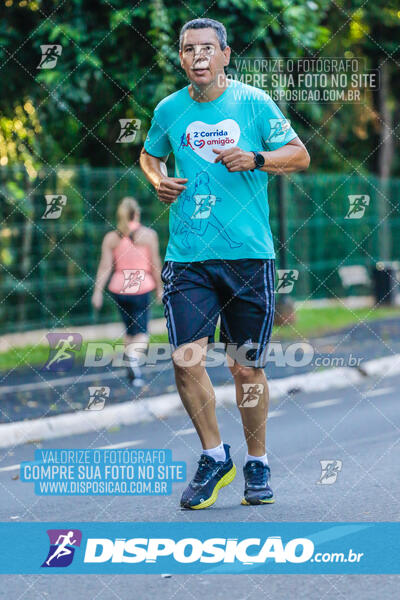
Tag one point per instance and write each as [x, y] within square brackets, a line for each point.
[259, 160]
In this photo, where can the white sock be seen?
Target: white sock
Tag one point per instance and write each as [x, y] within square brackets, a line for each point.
[217, 453]
[263, 459]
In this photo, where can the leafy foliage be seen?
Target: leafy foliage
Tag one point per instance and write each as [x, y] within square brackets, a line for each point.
[118, 61]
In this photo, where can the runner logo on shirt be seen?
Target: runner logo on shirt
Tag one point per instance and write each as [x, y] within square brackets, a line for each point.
[202, 138]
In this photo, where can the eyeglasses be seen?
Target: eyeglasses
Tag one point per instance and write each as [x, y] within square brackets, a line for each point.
[202, 49]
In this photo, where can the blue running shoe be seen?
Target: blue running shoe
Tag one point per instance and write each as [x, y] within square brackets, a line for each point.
[210, 477]
[257, 489]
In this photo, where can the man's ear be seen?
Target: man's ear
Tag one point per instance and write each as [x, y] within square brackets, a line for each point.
[227, 56]
[180, 58]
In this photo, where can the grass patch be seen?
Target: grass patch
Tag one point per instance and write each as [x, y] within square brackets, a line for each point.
[318, 321]
[310, 322]
[36, 356]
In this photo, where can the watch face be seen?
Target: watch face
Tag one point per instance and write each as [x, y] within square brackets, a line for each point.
[259, 160]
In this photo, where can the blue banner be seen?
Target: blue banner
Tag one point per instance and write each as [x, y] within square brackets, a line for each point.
[189, 548]
[100, 472]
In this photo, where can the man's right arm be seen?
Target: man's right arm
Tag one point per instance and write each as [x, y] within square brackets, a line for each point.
[155, 170]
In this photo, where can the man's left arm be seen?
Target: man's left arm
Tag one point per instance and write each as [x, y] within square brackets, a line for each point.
[289, 158]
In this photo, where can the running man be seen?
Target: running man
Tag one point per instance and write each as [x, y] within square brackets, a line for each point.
[229, 125]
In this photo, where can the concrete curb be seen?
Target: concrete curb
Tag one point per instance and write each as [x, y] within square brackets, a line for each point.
[128, 413]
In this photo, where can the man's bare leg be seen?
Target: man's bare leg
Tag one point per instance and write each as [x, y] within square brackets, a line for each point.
[253, 405]
[254, 418]
[216, 469]
[196, 391]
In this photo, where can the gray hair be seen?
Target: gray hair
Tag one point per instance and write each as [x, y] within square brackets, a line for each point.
[218, 27]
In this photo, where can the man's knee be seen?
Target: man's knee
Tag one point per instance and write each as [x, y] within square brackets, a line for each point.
[245, 373]
[188, 374]
[190, 355]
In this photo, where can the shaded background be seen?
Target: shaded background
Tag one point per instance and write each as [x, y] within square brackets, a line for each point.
[58, 132]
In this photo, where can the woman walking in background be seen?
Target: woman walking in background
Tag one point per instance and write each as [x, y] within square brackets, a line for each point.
[131, 255]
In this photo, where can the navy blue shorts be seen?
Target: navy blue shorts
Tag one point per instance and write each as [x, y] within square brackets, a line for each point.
[134, 311]
[240, 291]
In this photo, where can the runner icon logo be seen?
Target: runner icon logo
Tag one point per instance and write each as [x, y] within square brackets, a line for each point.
[132, 280]
[129, 128]
[54, 206]
[251, 394]
[357, 207]
[329, 471]
[97, 397]
[63, 543]
[286, 280]
[50, 55]
[62, 350]
[204, 203]
[278, 130]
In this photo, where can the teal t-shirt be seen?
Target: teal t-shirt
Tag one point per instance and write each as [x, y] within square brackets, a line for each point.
[221, 215]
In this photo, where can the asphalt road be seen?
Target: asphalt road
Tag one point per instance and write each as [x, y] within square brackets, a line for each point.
[358, 426]
[33, 392]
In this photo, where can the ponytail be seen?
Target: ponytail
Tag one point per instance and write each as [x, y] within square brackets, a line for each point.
[127, 210]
